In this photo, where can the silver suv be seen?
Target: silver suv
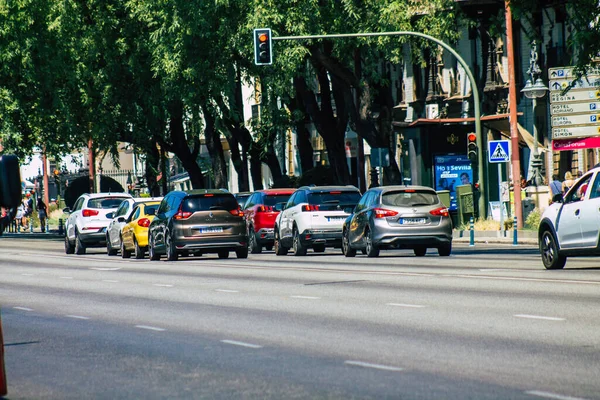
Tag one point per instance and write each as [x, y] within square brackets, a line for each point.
[313, 218]
[87, 222]
[570, 226]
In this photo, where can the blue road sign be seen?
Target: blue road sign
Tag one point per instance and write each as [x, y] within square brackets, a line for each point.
[499, 151]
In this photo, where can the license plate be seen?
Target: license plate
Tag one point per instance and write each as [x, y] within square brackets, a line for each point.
[412, 221]
[336, 218]
[211, 229]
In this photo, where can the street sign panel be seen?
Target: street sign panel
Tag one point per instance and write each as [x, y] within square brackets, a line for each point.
[499, 151]
[568, 120]
[575, 95]
[576, 143]
[567, 72]
[575, 108]
[575, 131]
[591, 81]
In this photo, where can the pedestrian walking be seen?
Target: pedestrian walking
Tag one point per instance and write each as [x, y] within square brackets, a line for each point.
[42, 213]
[556, 185]
[568, 182]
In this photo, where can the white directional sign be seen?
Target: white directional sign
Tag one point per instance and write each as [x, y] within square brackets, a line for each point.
[568, 120]
[575, 131]
[499, 151]
[567, 72]
[575, 108]
[575, 95]
[589, 82]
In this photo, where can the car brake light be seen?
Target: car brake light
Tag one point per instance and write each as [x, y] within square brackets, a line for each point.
[442, 211]
[144, 222]
[264, 209]
[338, 192]
[383, 213]
[310, 207]
[89, 213]
[182, 214]
[237, 212]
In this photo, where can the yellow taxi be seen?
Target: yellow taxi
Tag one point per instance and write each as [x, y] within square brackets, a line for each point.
[134, 234]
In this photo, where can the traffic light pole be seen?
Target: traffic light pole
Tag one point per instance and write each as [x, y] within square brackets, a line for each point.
[476, 100]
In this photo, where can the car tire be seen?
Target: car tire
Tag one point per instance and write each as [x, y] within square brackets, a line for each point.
[280, 249]
[445, 250]
[79, 246]
[242, 253]
[253, 245]
[299, 248]
[223, 254]
[69, 248]
[139, 252]
[549, 252]
[151, 251]
[170, 248]
[124, 252]
[109, 249]
[346, 249]
[371, 249]
[420, 251]
[319, 248]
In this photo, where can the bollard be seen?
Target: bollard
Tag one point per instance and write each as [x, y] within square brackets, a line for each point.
[515, 242]
[30, 225]
[472, 232]
[47, 226]
[60, 226]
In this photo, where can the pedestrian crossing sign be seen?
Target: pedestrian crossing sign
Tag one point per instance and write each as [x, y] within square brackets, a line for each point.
[499, 151]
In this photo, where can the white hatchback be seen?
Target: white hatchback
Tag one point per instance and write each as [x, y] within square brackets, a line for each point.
[87, 222]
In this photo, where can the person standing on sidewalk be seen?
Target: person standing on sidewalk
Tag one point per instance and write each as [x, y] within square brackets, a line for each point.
[42, 213]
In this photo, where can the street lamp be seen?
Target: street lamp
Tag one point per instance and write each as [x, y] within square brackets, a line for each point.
[535, 91]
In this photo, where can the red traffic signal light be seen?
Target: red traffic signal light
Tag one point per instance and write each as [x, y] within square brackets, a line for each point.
[263, 47]
[471, 137]
[472, 151]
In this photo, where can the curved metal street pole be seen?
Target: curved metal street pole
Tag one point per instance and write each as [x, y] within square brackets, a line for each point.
[476, 101]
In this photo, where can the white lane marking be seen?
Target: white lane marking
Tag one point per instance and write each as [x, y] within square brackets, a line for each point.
[23, 308]
[66, 277]
[539, 317]
[162, 285]
[506, 278]
[406, 305]
[109, 281]
[305, 297]
[105, 269]
[374, 366]
[150, 328]
[226, 291]
[77, 317]
[496, 269]
[27, 274]
[548, 395]
[243, 344]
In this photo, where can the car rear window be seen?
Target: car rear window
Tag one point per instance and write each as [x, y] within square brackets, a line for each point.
[209, 201]
[106, 202]
[334, 200]
[241, 199]
[410, 198]
[272, 200]
[151, 210]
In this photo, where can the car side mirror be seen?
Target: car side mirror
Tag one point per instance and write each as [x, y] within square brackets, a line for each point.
[557, 198]
[349, 210]
[110, 215]
[66, 210]
[121, 219]
[279, 207]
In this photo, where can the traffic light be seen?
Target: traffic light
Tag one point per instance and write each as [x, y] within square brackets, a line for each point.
[472, 152]
[263, 47]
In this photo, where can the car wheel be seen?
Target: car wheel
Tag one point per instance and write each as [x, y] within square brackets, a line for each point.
[242, 253]
[171, 250]
[253, 245]
[280, 249]
[445, 250]
[223, 254]
[549, 252]
[151, 251]
[420, 251]
[109, 249]
[138, 251]
[69, 248]
[371, 249]
[79, 246]
[346, 249]
[124, 252]
[299, 248]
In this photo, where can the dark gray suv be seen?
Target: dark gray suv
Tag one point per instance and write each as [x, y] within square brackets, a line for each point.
[198, 222]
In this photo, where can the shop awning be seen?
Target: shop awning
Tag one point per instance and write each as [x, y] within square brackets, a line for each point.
[525, 137]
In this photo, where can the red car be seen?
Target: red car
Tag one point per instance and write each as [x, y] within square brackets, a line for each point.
[260, 213]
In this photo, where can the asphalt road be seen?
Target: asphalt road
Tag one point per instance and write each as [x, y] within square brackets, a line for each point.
[486, 323]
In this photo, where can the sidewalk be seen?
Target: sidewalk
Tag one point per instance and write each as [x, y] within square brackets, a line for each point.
[528, 238]
[52, 234]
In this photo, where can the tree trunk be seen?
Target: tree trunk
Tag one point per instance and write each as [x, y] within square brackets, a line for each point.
[215, 149]
[152, 166]
[303, 142]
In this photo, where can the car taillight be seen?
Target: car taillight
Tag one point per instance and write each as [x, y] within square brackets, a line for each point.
[182, 214]
[144, 222]
[383, 213]
[89, 213]
[310, 207]
[440, 212]
[264, 209]
[237, 212]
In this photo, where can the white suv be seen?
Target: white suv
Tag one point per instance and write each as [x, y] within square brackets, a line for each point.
[570, 226]
[313, 217]
[87, 222]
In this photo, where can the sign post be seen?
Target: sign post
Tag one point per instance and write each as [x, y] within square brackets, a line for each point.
[499, 152]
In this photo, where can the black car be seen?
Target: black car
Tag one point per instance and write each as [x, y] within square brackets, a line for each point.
[198, 222]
